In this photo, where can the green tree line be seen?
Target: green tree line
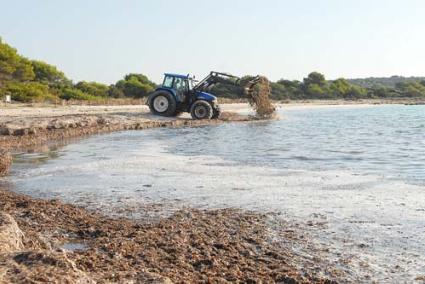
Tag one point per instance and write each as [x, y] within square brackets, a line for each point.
[36, 81]
[315, 86]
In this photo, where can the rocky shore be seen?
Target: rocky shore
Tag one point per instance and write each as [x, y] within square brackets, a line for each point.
[21, 132]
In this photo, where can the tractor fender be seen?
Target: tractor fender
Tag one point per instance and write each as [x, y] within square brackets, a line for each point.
[171, 91]
[205, 96]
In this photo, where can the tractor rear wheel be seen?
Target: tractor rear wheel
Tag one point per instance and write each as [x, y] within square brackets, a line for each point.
[162, 103]
[201, 110]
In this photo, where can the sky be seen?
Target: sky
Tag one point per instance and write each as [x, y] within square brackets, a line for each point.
[102, 40]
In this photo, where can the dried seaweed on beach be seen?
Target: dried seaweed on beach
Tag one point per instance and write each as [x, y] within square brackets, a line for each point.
[191, 246]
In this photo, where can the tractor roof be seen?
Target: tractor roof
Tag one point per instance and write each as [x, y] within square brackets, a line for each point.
[177, 75]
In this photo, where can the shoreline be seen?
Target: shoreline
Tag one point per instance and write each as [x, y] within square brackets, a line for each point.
[23, 132]
[23, 127]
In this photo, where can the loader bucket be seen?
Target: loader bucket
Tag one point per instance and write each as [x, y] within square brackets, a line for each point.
[249, 86]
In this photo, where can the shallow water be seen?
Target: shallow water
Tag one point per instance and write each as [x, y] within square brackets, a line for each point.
[385, 140]
[353, 178]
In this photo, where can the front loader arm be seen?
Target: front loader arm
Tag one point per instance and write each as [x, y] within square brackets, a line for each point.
[215, 78]
[247, 84]
[256, 89]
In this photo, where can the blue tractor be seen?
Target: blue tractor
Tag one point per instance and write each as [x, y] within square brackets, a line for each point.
[181, 93]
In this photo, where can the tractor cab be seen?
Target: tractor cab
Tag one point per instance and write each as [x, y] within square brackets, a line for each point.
[179, 85]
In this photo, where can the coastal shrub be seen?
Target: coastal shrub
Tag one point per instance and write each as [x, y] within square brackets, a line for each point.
[290, 90]
[135, 85]
[115, 92]
[29, 92]
[383, 92]
[13, 66]
[48, 74]
[93, 88]
[76, 94]
[411, 89]
[315, 78]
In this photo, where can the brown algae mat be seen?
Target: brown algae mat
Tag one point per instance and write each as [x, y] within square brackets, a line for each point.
[48, 241]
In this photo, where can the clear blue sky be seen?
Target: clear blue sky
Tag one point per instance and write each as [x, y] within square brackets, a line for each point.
[101, 40]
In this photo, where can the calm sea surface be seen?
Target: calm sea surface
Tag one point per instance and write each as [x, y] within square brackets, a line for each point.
[384, 140]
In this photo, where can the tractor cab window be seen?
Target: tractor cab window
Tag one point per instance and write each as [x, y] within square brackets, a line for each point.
[192, 84]
[185, 86]
[168, 82]
[181, 85]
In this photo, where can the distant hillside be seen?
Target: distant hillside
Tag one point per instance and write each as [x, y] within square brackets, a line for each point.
[384, 81]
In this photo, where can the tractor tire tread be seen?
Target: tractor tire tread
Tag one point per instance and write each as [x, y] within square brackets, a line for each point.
[207, 106]
[172, 104]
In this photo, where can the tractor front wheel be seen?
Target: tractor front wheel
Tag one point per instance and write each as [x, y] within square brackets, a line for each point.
[201, 110]
[162, 103]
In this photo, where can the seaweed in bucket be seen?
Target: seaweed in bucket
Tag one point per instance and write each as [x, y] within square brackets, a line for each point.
[258, 91]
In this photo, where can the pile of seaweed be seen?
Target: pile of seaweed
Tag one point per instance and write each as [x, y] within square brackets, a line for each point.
[256, 89]
[259, 97]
